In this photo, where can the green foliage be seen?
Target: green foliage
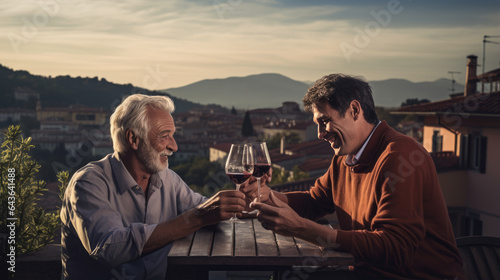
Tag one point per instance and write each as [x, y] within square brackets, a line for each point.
[63, 179]
[274, 142]
[384, 114]
[247, 126]
[281, 176]
[299, 174]
[19, 193]
[203, 176]
[393, 120]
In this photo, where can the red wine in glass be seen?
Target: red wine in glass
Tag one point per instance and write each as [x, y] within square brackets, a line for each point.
[260, 169]
[262, 162]
[239, 178]
[239, 167]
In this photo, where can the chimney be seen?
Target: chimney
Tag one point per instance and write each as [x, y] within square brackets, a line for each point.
[282, 145]
[470, 75]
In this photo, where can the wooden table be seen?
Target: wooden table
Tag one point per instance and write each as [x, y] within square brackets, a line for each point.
[246, 246]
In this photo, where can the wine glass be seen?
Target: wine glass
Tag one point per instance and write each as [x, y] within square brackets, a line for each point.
[262, 163]
[239, 167]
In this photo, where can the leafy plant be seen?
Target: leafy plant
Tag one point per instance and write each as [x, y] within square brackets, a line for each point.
[281, 176]
[274, 142]
[19, 192]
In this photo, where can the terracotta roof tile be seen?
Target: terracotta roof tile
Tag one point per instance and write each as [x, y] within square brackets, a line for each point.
[481, 103]
[493, 75]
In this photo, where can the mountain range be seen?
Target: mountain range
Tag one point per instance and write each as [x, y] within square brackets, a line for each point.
[270, 90]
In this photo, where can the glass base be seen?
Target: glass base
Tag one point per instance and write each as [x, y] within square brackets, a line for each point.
[235, 220]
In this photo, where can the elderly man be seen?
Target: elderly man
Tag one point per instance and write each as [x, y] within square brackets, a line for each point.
[383, 186]
[120, 213]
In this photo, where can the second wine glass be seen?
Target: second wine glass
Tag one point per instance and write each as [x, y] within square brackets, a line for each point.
[262, 163]
[239, 167]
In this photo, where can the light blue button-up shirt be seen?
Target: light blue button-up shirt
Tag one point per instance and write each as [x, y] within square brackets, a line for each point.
[107, 219]
[353, 160]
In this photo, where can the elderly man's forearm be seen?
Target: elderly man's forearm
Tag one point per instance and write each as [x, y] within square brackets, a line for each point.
[172, 230]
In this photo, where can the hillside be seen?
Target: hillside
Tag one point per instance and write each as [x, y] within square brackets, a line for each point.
[270, 90]
[392, 92]
[250, 92]
[62, 91]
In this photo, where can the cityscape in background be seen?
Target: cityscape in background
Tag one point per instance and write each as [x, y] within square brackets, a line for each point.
[66, 138]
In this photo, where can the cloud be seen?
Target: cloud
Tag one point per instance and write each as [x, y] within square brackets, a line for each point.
[194, 40]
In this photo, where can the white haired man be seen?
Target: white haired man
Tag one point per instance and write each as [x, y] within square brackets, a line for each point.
[120, 213]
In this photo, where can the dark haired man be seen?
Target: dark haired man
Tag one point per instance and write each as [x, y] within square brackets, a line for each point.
[383, 186]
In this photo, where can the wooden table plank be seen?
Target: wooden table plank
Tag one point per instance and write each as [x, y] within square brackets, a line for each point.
[181, 247]
[202, 242]
[254, 249]
[223, 240]
[265, 241]
[244, 239]
[323, 254]
[286, 246]
[307, 248]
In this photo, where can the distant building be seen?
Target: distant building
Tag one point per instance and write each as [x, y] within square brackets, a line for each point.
[102, 148]
[80, 129]
[312, 157]
[413, 129]
[462, 135]
[208, 110]
[188, 149]
[306, 130]
[218, 153]
[50, 139]
[63, 126]
[77, 114]
[26, 94]
[286, 119]
[15, 114]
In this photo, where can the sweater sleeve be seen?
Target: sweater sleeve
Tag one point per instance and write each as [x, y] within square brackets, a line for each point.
[316, 202]
[398, 225]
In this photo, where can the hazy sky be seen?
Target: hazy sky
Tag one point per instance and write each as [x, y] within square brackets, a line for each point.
[164, 44]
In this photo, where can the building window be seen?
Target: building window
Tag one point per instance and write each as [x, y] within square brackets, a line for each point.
[437, 142]
[473, 152]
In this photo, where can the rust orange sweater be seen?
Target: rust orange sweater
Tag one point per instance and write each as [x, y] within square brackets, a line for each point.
[391, 210]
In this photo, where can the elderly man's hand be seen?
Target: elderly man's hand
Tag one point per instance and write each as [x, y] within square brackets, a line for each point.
[221, 206]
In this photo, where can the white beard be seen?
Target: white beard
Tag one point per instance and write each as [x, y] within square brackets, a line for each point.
[151, 158]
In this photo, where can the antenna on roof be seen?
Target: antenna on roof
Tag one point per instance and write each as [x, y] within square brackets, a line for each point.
[484, 46]
[453, 80]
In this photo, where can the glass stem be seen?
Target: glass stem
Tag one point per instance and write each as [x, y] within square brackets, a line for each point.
[237, 188]
[258, 189]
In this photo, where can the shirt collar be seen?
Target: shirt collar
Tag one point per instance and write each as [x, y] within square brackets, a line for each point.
[350, 160]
